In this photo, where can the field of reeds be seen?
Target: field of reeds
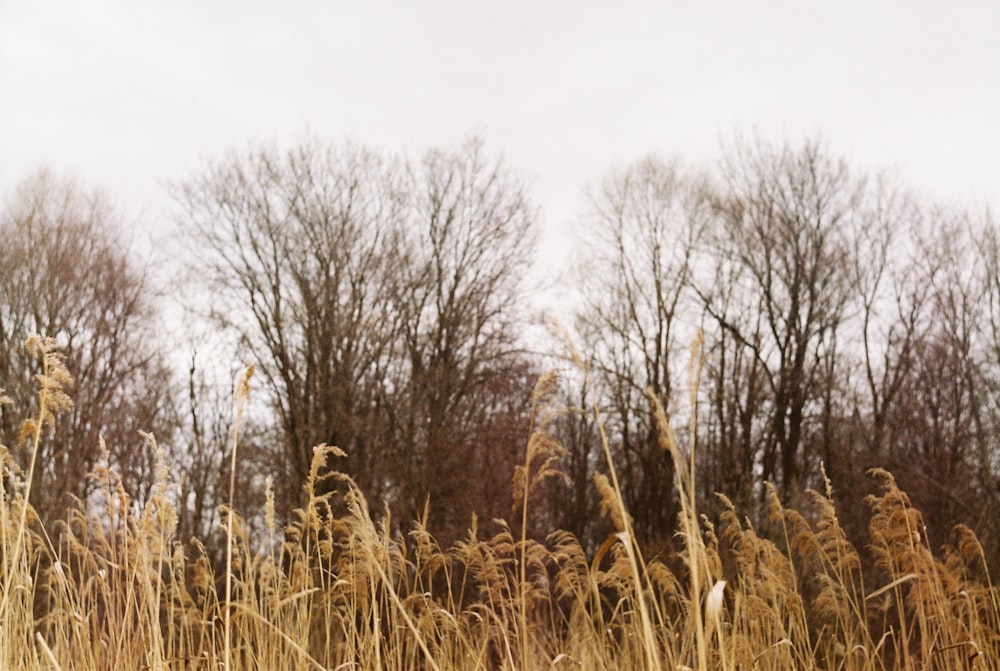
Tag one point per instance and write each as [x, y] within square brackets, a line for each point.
[113, 588]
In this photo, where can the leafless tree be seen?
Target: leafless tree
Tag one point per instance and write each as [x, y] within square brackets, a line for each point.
[986, 239]
[68, 273]
[468, 244]
[645, 224]
[734, 415]
[892, 294]
[377, 297]
[939, 424]
[885, 319]
[296, 252]
[573, 502]
[786, 219]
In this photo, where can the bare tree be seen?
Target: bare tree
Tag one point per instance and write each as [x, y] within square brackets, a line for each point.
[734, 416]
[987, 400]
[199, 462]
[942, 412]
[848, 326]
[468, 245]
[646, 222]
[573, 502]
[377, 297]
[296, 250]
[785, 229]
[68, 274]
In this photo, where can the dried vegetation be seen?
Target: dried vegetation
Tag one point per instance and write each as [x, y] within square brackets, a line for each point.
[114, 588]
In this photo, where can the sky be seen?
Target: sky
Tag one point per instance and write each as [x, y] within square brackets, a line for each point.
[134, 95]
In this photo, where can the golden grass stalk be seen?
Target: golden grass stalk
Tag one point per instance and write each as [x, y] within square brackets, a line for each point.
[52, 401]
[342, 592]
[242, 396]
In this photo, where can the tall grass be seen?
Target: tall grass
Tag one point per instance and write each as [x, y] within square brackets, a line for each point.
[114, 587]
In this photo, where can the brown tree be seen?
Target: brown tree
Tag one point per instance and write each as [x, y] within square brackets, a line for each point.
[468, 244]
[939, 424]
[200, 460]
[986, 239]
[645, 224]
[296, 250]
[68, 274]
[572, 503]
[734, 416]
[784, 232]
[377, 298]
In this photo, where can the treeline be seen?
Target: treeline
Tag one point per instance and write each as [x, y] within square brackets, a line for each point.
[846, 324]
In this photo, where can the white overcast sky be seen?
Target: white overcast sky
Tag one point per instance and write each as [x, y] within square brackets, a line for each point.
[131, 95]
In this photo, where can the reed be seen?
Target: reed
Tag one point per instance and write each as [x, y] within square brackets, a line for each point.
[113, 587]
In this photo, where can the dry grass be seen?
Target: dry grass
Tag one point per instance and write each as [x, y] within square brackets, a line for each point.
[114, 588]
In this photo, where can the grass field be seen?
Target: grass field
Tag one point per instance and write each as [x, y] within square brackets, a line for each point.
[116, 590]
